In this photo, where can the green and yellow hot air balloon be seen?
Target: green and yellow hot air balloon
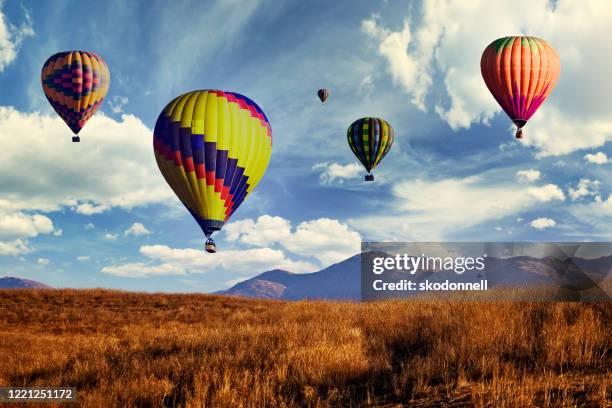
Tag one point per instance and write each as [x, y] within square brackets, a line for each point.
[370, 139]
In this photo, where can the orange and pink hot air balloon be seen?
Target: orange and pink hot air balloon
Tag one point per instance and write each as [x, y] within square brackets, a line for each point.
[520, 72]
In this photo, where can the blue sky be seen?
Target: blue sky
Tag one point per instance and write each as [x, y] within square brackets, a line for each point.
[99, 214]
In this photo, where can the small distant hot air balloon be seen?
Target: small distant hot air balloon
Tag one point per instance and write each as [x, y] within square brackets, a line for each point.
[370, 139]
[213, 148]
[520, 72]
[75, 84]
[323, 94]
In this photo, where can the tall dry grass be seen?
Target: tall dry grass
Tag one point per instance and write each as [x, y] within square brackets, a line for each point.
[151, 350]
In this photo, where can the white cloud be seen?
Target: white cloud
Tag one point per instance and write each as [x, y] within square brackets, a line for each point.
[89, 226]
[58, 232]
[137, 229]
[165, 260]
[14, 248]
[11, 37]
[543, 223]
[528, 175]
[585, 188]
[448, 40]
[113, 166]
[20, 225]
[546, 193]
[264, 231]
[83, 258]
[43, 261]
[410, 70]
[324, 239]
[435, 210]
[597, 158]
[109, 236]
[89, 208]
[335, 171]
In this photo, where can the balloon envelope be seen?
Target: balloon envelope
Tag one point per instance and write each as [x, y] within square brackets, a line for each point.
[323, 94]
[370, 140]
[213, 148]
[520, 72]
[75, 84]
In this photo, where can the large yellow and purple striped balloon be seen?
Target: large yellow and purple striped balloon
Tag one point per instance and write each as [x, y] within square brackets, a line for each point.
[213, 148]
[75, 84]
[520, 72]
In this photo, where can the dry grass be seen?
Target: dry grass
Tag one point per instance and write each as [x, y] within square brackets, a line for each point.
[150, 350]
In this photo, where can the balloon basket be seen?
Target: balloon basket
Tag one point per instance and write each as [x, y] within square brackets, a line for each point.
[519, 133]
[76, 139]
[369, 177]
[210, 246]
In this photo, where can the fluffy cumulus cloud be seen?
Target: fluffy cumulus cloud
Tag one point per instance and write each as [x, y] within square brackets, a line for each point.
[17, 227]
[11, 37]
[433, 210]
[20, 225]
[264, 231]
[585, 188]
[116, 170]
[546, 193]
[110, 236]
[340, 172]
[447, 41]
[137, 230]
[596, 158]
[542, 223]
[528, 175]
[14, 247]
[164, 260]
[324, 239]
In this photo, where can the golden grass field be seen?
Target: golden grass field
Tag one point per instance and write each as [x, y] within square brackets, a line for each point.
[122, 349]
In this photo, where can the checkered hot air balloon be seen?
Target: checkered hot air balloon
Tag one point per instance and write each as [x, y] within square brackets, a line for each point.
[520, 72]
[370, 140]
[75, 84]
[213, 148]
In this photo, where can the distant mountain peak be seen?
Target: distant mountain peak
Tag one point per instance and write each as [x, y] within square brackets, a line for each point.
[10, 282]
[258, 288]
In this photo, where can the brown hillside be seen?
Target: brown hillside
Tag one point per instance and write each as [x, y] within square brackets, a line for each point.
[148, 350]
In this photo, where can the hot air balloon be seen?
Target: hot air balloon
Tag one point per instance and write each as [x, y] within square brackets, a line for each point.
[213, 148]
[520, 72]
[75, 84]
[370, 139]
[323, 94]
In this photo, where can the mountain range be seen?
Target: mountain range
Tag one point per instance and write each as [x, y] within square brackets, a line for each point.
[9, 282]
[343, 280]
